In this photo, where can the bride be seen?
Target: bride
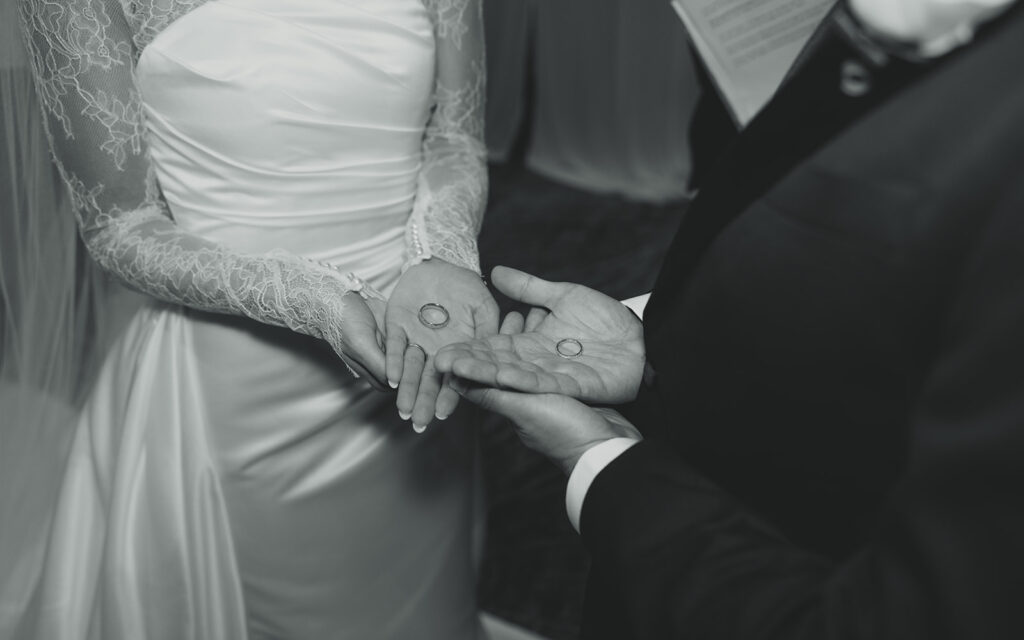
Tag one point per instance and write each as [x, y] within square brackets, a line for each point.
[261, 169]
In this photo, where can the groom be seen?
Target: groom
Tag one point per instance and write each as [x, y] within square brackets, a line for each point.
[830, 370]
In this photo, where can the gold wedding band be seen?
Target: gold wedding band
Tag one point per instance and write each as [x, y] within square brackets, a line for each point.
[434, 316]
[569, 348]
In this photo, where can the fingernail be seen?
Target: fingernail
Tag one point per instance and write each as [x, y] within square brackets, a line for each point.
[441, 416]
[404, 416]
[392, 384]
[419, 428]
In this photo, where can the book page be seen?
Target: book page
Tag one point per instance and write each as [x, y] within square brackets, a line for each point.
[749, 45]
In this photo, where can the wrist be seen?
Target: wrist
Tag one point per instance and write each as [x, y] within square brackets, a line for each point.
[567, 463]
[467, 258]
[437, 262]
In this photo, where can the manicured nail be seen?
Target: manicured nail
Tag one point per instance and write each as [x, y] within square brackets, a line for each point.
[441, 416]
[403, 415]
[419, 428]
[392, 384]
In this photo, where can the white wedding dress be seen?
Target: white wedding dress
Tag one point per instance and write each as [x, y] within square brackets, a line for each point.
[236, 160]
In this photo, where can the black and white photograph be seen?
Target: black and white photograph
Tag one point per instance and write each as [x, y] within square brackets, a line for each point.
[511, 320]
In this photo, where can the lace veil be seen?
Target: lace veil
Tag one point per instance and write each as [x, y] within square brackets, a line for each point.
[57, 315]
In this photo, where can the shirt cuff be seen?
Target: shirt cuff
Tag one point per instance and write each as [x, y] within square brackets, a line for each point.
[591, 463]
[638, 304]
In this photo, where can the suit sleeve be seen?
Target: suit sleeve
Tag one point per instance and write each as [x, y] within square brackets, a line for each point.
[683, 559]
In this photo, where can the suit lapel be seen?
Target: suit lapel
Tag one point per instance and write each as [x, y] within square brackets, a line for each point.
[808, 111]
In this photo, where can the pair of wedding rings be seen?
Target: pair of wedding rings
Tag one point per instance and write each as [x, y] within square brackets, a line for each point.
[434, 316]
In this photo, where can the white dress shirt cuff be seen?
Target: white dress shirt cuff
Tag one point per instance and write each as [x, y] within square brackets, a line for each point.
[591, 463]
[638, 304]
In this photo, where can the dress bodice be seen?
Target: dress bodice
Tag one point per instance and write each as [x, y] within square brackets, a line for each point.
[266, 158]
[291, 124]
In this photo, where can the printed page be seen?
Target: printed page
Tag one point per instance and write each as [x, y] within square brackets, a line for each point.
[749, 45]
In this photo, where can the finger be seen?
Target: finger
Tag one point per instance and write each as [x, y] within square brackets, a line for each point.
[448, 354]
[364, 355]
[486, 318]
[447, 399]
[516, 379]
[477, 371]
[505, 403]
[512, 324]
[459, 385]
[534, 318]
[378, 308]
[409, 384]
[395, 347]
[360, 372]
[556, 427]
[523, 287]
[426, 398]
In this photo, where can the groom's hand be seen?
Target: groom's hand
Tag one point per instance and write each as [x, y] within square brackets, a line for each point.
[560, 428]
[538, 354]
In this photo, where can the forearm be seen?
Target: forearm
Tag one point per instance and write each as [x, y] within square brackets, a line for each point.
[452, 189]
[148, 252]
[450, 202]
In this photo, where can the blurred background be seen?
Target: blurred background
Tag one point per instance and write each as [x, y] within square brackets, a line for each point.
[588, 129]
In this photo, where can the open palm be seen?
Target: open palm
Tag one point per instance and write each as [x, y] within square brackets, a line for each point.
[524, 356]
[469, 312]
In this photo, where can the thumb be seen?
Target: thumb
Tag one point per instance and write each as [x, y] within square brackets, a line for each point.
[363, 352]
[524, 287]
[360, 372]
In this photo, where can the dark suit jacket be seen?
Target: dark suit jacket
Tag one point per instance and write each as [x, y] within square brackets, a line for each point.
[835, 434]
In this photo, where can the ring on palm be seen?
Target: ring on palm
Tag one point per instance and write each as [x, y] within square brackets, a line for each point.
[569, 348]
[434, 316]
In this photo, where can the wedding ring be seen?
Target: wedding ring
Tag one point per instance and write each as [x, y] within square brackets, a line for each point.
[434, 316]
[569, 348]
[413, 345]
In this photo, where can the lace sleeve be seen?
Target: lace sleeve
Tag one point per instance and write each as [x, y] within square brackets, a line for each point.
[82, 57]
[452, 190]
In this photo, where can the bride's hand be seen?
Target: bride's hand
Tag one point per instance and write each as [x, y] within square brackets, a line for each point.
[361, 344]
[465, 308]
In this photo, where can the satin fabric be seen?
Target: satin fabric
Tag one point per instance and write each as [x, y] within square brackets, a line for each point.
[229, 479]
